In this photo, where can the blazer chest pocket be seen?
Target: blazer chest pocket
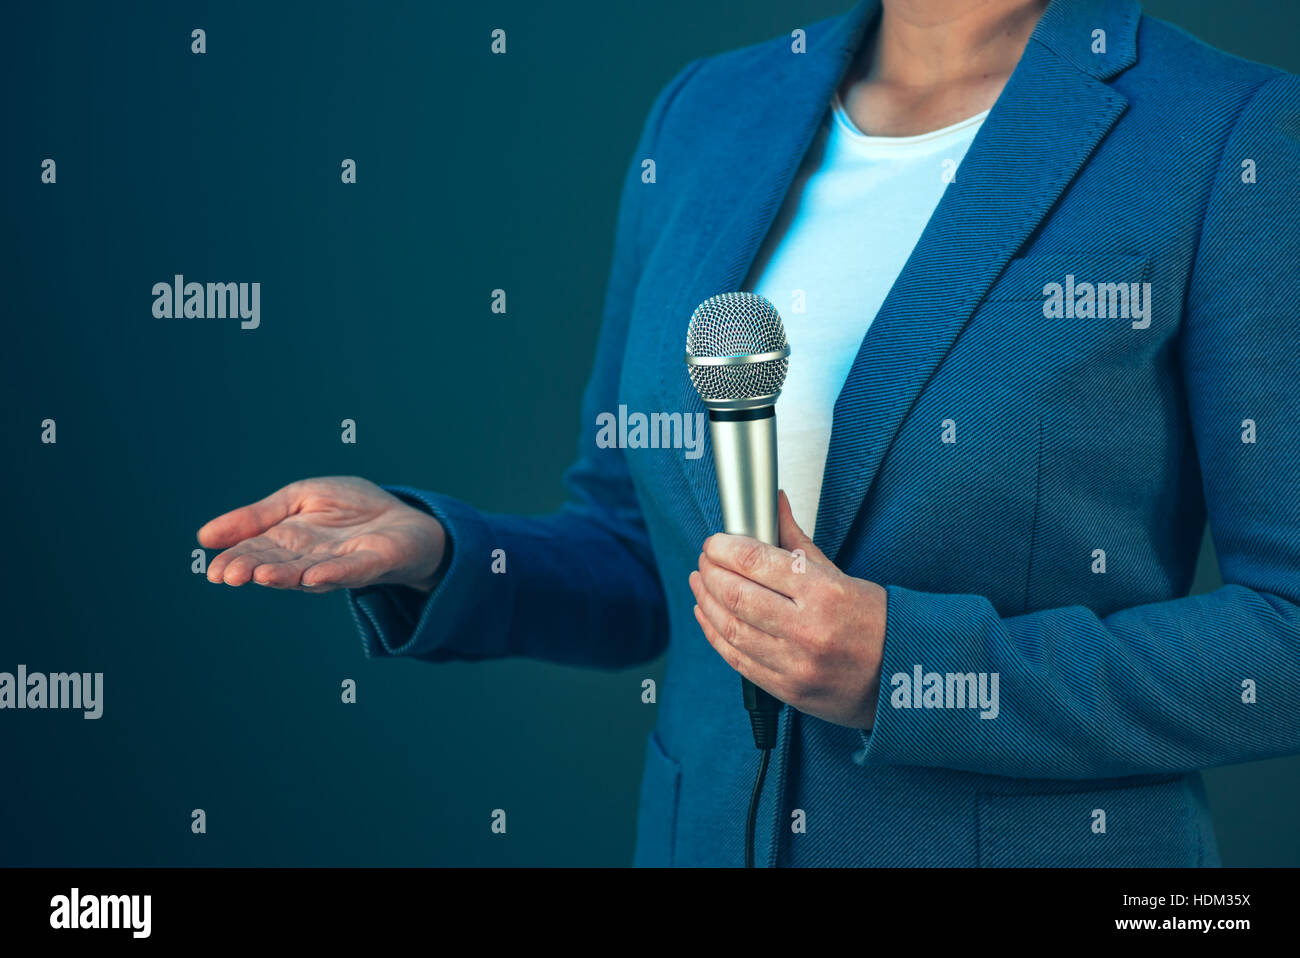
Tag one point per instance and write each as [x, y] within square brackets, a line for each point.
[1070, 280]
[1073, 314]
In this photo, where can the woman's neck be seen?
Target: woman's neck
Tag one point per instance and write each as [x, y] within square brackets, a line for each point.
[931, 63]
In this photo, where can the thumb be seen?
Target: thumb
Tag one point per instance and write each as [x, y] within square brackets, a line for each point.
[249, 521]
[792, 537]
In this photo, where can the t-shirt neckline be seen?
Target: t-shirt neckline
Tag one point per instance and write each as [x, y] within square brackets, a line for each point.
[849, 127]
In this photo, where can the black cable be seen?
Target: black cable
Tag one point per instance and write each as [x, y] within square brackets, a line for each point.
[753, 807]
[764, 717]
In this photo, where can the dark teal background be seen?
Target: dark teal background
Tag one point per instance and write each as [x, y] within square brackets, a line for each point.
[474, 172]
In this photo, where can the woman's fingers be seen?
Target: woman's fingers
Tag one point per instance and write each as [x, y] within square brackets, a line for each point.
[738, 634]
[218, 566]
[284, 573]
[769, 566]
[239, 568]
[747, 599]
[756, 672]
[264, 562]
[349, 571]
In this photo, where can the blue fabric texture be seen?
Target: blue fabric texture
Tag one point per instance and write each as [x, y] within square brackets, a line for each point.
[1052, 544]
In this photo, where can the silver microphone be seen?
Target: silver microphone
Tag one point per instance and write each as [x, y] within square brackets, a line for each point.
[737, 357]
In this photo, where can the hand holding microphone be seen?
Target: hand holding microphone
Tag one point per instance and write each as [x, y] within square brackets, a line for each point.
[794, 626]
[800, 629]
[737, 357]
[797, 626]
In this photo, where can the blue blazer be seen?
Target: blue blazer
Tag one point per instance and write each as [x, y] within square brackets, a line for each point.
[1052, 544]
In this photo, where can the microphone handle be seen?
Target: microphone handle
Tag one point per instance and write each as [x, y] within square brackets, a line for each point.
[744, 458]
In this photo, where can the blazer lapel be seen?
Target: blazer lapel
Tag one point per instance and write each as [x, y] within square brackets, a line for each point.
[770, 137]
[1051, 115]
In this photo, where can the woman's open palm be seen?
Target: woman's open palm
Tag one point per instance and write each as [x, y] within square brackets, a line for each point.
[318, 535]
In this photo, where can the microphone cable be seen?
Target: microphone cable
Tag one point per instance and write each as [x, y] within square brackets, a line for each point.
[764, 719]
[753, 807]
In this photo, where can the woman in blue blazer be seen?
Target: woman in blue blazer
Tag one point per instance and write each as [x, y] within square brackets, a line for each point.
[1045, 554]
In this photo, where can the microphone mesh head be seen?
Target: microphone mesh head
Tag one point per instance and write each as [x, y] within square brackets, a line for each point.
[735, 325]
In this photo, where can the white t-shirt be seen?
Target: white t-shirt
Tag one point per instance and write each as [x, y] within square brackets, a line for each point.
[848, 224]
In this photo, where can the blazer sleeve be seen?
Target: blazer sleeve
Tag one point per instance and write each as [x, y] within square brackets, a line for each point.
[580, 586]
[1188, 683]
